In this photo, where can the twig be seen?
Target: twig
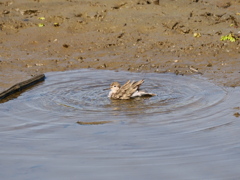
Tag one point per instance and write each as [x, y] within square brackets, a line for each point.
[22, 85]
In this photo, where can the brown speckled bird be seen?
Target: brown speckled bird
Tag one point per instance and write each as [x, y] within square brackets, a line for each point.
[127, 91]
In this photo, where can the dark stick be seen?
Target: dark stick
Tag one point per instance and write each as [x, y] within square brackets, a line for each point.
[22, 85]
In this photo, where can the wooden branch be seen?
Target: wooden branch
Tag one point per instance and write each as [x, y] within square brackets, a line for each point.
[22, 85]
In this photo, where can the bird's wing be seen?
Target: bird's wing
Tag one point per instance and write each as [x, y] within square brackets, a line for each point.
[126, 91]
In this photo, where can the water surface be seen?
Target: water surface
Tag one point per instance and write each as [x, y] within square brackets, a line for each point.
[188, 131]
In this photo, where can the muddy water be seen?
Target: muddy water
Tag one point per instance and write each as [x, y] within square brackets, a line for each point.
[188, 131]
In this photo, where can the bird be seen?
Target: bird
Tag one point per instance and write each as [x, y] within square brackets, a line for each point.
[127, 91]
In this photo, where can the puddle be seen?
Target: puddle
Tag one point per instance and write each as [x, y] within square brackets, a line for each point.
[188, 131]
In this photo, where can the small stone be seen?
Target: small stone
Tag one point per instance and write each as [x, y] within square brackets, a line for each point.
[38, 64]
[65, 45]
[6, 12]
[196, 34]
[209, 65]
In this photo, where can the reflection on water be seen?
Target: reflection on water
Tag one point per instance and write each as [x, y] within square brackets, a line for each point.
[188, 131]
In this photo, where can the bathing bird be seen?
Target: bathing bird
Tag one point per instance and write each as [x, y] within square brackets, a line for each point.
[127, 91]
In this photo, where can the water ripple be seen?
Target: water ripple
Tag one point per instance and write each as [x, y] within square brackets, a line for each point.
[189, 125]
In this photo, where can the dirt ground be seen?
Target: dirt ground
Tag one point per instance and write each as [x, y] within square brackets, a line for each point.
[178, 36]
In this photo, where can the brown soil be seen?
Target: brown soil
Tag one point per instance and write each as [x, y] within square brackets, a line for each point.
[176, 36]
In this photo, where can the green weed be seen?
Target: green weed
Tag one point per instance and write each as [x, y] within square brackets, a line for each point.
[229, 37]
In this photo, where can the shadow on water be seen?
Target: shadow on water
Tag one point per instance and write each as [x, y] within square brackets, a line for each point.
[184, 132]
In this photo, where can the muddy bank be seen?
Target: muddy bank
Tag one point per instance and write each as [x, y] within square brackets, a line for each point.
[139, 35]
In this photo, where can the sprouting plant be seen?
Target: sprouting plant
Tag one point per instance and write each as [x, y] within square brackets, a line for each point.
[41, 18]
[229, 37]
[40, 25]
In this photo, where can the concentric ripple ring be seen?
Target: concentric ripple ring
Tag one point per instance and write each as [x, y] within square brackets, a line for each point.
[181, 133]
